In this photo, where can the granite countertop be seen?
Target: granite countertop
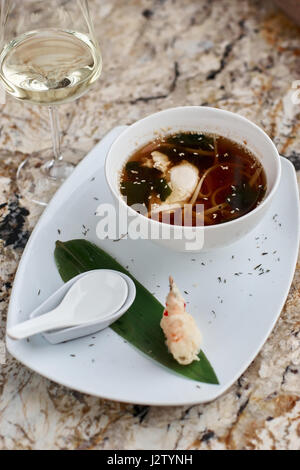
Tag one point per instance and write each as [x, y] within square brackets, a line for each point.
[238, 55]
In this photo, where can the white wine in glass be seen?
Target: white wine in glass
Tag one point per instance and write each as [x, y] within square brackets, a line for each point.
[49, 56]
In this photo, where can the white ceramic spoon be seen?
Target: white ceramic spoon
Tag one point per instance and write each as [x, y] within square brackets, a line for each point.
[96, 296]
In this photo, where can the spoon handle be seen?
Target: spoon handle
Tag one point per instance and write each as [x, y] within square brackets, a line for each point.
[46, 322]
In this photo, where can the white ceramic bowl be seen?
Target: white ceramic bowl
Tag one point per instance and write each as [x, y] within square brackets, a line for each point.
[201, 119]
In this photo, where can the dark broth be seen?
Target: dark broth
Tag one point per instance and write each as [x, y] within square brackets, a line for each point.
[232, 179]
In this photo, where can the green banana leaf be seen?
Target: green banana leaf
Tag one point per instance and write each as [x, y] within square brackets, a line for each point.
[140, 325]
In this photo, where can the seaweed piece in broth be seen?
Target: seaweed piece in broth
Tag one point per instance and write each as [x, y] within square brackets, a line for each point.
[193, 140]
[135, 193]
[243, 197]
[143, 181]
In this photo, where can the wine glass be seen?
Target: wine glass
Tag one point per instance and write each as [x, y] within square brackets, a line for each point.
[48, 56]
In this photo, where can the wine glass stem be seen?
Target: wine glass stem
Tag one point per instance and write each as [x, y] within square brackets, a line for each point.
[55, 132]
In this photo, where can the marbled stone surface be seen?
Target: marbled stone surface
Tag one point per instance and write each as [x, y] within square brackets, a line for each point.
[240, 55]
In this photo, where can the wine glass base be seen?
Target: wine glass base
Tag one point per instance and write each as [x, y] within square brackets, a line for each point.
[39, 176]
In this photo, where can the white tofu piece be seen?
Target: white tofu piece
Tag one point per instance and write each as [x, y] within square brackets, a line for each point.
[161, 161]
[183, 181]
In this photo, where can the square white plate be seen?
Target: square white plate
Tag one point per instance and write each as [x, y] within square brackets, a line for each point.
[235, 294]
